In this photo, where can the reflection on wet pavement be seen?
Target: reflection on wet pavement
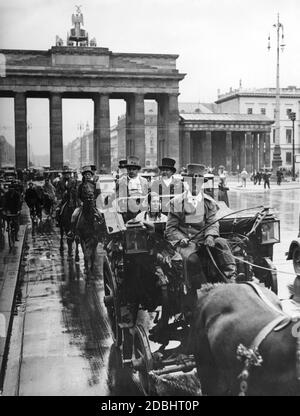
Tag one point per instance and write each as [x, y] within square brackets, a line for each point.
[60, 325]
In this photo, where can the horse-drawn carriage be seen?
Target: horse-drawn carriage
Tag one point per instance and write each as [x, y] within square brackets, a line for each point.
[149, 301]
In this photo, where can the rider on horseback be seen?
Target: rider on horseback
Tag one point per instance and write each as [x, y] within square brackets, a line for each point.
[87, 190]
[64, 188]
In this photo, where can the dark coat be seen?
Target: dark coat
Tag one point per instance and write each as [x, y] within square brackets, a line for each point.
[12, 201]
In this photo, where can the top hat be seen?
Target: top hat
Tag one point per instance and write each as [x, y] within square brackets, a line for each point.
[132, 161]
[122, 164]
[86, 169]
[168, 163]
[93, 167]
[196, 169]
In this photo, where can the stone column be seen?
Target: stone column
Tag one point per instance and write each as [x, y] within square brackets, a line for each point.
[261, 150]
[186, 148]
[102, 157]
[255, 151]
[248, 151]
[168, 127]
[173, 129]
[228, 151]
[20, 130]
[267, 149]
[207, 149]
[135, 127]
[242, 163]
[56, 139]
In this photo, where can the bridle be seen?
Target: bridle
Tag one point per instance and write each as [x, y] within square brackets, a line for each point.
[251, 356]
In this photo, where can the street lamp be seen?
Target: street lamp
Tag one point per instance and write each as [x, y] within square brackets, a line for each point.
[29, 127]
[292, 116]
[277, 161]
[80, 127]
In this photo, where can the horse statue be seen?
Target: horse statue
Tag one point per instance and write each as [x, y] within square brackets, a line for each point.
[69, 204]
[89, 226]
[244, 344]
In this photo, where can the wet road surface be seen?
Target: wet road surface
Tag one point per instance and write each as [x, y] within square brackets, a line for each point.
[286, 204]
[61, 341]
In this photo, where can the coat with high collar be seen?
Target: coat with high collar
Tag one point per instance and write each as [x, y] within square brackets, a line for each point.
[178, 224]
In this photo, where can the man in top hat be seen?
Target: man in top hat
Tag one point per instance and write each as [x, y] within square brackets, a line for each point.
[167, 186]
[190, 213]
[132, 186]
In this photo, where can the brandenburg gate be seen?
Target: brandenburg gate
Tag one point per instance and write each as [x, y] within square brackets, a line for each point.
[83, 70]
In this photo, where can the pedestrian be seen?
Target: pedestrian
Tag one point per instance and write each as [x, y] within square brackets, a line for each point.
[279, 175]
[244, 176]
[266, 179]
[259, 177]
[222, 192]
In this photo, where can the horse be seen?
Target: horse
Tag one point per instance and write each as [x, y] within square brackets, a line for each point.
[48, 204]
[243, 342]
[65, 215]
[88, 229]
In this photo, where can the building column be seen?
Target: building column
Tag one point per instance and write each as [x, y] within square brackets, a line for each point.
[255, 151]
[20, 130]
[207, 149]
[268, 149]
[135, 127]
[261, 150]
[173, 129]
[56, 139]
[248, 151]
[242, 163]
[186, 148]
[228, 151]
[102, 157]
[168, 127]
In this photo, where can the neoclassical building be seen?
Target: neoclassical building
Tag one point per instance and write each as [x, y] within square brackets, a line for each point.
[261, 101]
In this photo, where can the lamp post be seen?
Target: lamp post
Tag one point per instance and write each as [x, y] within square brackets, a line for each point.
[292, 116]
[80, 127]
[277, 161]
[29, 127]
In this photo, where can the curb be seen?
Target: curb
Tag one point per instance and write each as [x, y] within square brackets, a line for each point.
[8, 286]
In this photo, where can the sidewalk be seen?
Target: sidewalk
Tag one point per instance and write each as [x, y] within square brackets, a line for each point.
[234, 185]
[9, 272]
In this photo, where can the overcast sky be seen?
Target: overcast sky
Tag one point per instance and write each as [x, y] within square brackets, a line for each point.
[219, 42]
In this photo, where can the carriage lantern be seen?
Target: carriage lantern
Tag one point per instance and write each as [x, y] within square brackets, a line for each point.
[270, 232]
[136, 239]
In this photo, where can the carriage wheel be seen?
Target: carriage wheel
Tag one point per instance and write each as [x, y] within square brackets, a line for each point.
[296, 260]
[142, 359]
[269, 277]
[112, 302]
[119, 378]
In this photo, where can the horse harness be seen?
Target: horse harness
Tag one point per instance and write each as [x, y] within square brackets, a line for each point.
[251, 356]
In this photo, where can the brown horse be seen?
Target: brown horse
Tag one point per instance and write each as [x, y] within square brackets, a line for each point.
[228, 315]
